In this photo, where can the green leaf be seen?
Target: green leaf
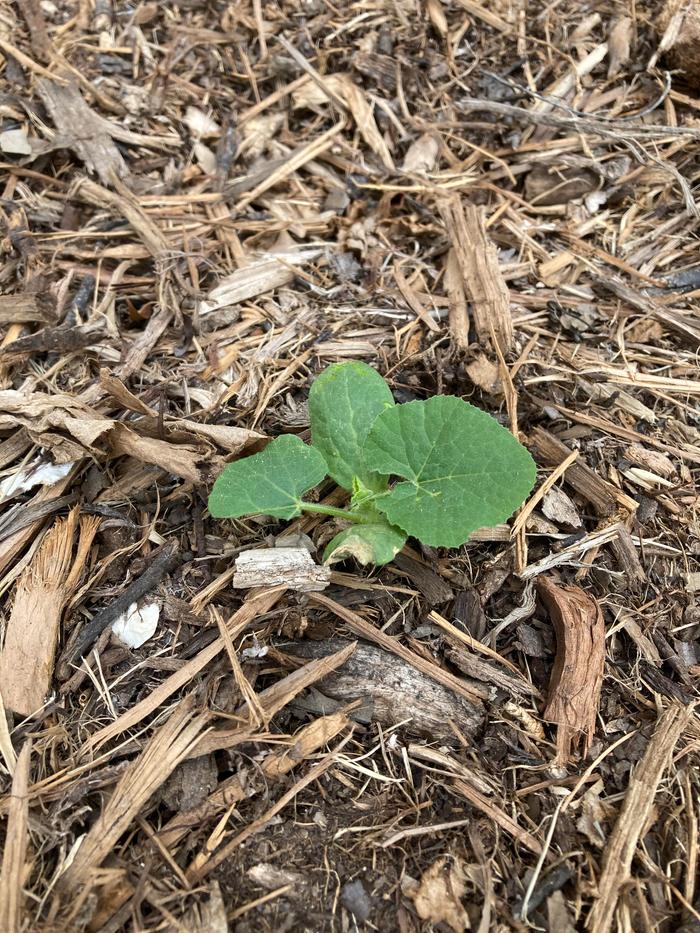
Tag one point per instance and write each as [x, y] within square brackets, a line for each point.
[463, 471]
[368, 544]
[343, 403]
[269, 483]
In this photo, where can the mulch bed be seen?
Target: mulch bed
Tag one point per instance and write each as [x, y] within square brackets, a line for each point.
[203, 205]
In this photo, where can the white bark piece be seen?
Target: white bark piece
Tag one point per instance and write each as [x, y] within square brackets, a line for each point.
[291, 566]
[135, 626]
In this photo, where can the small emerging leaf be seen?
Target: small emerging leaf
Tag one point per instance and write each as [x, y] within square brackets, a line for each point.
[269, 483]
[463, 471]
[344, 402]
[368, 544]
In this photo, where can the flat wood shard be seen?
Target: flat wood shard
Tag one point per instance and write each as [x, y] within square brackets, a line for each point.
[289, 566]
[485, 287]
[574, 688]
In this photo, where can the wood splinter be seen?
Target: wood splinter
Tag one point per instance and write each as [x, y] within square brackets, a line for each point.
[27, 657]
[577, 676]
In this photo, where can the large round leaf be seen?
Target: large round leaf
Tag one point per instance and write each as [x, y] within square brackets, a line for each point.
[269, 483]
[343, 404]
[462, 470]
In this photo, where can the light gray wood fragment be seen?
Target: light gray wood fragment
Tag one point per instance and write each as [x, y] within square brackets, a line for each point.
[291, 566]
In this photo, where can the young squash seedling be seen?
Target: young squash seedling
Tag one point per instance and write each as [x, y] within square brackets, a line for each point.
[437, 470]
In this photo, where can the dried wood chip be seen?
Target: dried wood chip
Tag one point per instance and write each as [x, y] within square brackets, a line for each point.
[557, 506]
[391, 691]
[619, 40]
[362, 628]
[498, 815]
[577, 676]
[292, 567]
[73, 430]
[421, 156]
[456, 293]
[438, 895]
[27, 308]
[259, 276]
[83, 130]
[483, 281]
[27, 656]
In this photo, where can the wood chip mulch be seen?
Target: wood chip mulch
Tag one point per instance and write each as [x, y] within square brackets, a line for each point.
[204, 203]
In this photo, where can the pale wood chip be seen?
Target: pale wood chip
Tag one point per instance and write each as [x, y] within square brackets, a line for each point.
[28, 653]
[288, 566]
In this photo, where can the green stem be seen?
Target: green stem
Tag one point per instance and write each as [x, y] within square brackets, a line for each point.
[328, 510]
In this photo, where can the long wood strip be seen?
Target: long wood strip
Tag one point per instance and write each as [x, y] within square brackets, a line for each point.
[12, 873]
[634, 814]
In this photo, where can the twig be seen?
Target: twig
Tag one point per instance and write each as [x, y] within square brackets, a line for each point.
[165, 560]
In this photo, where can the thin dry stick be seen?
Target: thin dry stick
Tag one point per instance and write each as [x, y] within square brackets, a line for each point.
[478, 800]
[15, 851]
[634, 814]
[534, 500]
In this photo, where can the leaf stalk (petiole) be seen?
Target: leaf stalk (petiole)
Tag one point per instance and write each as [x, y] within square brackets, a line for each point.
[329, 510]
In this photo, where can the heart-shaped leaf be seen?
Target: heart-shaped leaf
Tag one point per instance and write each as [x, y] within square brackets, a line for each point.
[344, 402]
[269, 483]
[462, 470]
[368, 544]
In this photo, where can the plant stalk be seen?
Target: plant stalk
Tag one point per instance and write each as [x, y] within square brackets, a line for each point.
[329, 510]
